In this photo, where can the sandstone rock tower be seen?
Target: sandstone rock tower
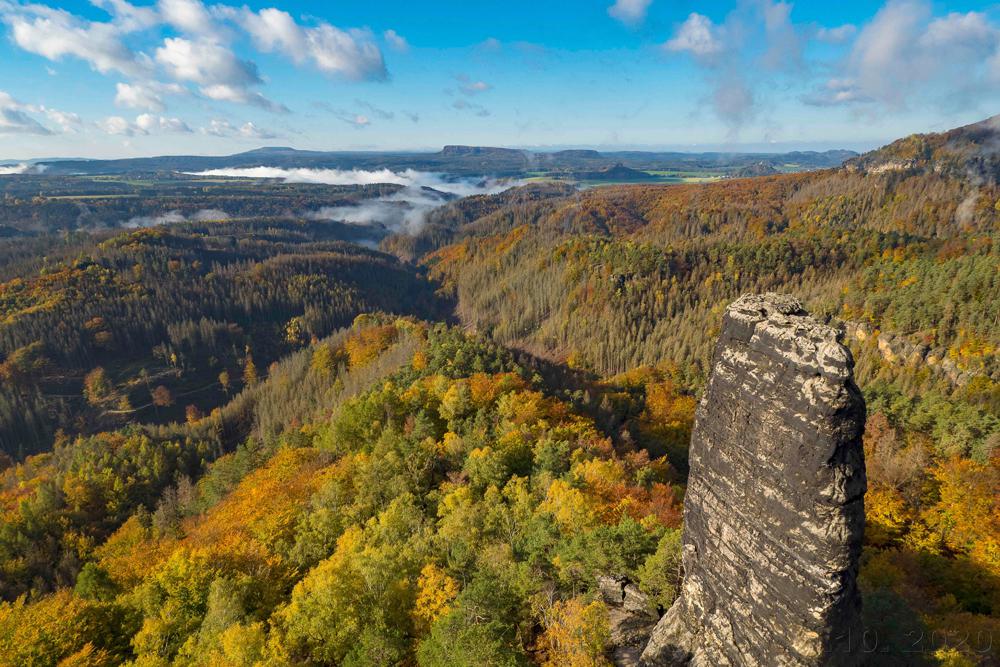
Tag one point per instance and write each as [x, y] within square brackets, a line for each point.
[774, 513]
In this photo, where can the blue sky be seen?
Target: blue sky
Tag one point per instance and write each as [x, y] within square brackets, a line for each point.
[109, 78]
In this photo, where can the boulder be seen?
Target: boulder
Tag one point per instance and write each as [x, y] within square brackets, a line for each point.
[630, 619]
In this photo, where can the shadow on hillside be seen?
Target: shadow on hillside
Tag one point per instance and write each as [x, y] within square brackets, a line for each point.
[922, 608]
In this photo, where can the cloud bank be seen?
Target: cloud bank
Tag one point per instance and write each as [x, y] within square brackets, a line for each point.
[902, 56]
[12, 169]
[904, 51]
[403, 211]
[200, 53]
[352, 53]
[410, 178]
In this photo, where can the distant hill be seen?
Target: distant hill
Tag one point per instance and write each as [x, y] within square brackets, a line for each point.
[269, 151]
[454, 160]
[577, 154]
[616, 173]
[972, 152]
[464, 151]
[761, 168]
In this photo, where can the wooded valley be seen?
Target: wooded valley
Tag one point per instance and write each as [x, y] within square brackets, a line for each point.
[256, 441]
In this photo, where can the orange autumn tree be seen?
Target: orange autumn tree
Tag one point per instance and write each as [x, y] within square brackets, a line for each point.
[367, 343]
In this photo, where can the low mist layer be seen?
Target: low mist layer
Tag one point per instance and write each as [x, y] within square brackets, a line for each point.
[13, 169]
[175, 216]
[402, 211]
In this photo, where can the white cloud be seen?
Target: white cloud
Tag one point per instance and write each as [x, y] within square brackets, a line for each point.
[697, 35]
[150, 123]
[127, 16]
[146, 95]
[219, 128]
[55, 33]
[144, 124]
[904, 52]
[219, 74]
[223, 128]
[783, 40]
[396, 41]
[357, 119]
[240, 95]
[970, 33]
[120, 126]
[719, 49]
[879, 51]
[188, 16]
[733, 100]
[250, 131]
[472, 87]
[206, 63]
[200, 54]
[835, 92]
[630, 12]
[352, 53]
[271, 30]
[67, 120]
[15, 118]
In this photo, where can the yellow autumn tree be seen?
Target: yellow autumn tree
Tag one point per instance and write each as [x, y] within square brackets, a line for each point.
[576, 634]
[61, 626]
[435, 593]
[967, 516]
[250, 377]
[887, 515]
[570, 508]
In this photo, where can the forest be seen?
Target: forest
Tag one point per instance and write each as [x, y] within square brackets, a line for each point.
[145, 324]
[46, 204]
[254, 442]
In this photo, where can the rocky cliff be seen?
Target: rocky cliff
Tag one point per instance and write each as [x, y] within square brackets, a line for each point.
[970, 153]
[900, 350]
[773, 515]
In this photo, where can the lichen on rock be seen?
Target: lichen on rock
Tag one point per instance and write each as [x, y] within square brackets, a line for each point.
[773, 514]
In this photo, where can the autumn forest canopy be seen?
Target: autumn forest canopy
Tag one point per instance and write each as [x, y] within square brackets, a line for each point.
[249, 421]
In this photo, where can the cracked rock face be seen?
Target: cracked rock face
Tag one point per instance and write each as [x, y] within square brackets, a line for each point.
[774, 514]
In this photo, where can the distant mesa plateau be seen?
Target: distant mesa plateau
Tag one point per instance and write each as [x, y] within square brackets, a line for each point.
[459, 161]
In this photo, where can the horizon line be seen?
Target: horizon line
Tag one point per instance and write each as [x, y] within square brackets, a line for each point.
[749, 148]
